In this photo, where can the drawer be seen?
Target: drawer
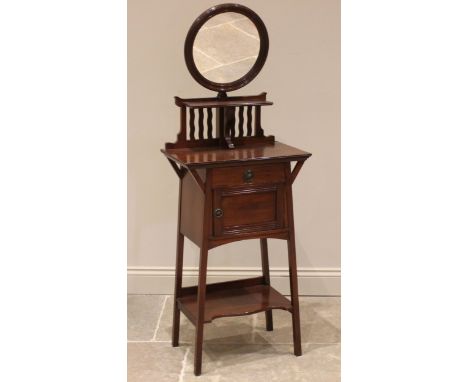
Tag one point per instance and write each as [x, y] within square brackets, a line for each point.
[249, 175]
[248, 210]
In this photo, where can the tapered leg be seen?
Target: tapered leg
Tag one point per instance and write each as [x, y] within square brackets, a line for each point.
[179, 267]
[201, 309]
[294, 296]
[266, 277]
[202, 268]
[177, 287]
[293, 270]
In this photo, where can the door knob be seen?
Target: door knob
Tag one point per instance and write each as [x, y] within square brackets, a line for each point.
[248, 175]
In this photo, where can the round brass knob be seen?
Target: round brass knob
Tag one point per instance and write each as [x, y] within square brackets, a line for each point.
[218, 212]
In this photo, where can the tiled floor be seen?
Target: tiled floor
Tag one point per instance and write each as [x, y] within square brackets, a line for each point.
[235, 348]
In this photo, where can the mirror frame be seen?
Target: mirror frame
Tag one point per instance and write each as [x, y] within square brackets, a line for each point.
[262, 54]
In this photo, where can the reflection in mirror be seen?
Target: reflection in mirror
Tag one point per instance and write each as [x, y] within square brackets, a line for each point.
[226, 47]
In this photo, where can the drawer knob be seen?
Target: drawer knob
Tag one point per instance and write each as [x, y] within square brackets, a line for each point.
[248, 175]
[218, 212]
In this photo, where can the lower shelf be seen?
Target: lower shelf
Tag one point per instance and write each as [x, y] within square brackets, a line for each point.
[233, 298]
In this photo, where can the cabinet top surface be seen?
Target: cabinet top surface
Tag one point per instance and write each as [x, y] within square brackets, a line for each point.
[215, 156]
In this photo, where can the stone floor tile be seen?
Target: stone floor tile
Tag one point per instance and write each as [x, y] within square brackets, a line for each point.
[232, 71]
[320, 322]
[202, 62]
[235, 348]
[235, 46]
[223, 18]
[142, 315]
[247, 26]
[272, 363]
[154, 362]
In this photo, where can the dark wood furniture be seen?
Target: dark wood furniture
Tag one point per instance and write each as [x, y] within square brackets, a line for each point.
[235, 184]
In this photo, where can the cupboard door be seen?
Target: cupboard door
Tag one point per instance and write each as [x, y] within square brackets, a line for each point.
[247, 210]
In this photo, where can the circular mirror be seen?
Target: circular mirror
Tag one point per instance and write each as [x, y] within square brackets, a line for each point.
[226, 47]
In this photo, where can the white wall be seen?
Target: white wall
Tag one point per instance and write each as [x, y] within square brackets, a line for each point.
[301, 77]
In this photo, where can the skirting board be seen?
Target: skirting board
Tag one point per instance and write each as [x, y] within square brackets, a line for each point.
[160, 280]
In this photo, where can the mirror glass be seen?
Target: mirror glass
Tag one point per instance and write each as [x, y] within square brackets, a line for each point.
[226, 47]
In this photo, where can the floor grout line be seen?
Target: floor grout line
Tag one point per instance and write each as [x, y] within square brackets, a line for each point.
[229, 63]
[206, 55]
[159, 319]
[254, 325]
[243, 31]
[224, 23]
[184, 363]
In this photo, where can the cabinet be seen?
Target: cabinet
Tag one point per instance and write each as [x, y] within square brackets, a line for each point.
[226, 196]
[235, 181]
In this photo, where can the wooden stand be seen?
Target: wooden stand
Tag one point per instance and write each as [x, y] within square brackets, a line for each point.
[227, 195]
